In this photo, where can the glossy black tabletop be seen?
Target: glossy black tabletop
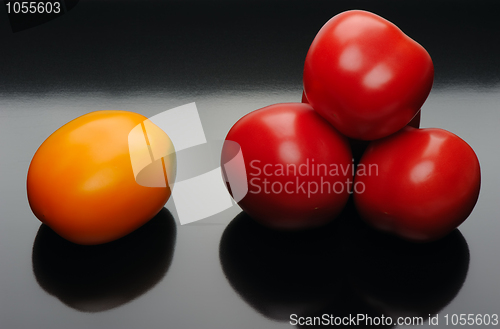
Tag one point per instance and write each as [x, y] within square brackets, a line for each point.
[225, 272]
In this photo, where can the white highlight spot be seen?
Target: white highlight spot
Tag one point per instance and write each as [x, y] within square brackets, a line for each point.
[422, 171]
[378, 76]
[351, 59]
[434, 145]
[283, 123]
[289, 152]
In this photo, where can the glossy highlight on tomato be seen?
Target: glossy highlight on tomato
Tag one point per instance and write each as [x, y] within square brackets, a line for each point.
[365, 76]
[298, 168]
[81, 182]
[423, 184]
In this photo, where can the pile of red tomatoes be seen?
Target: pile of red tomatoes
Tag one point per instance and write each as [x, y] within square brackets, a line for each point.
[364, 84]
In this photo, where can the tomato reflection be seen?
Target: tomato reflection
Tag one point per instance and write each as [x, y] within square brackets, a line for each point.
[343, 268]
[102, 277]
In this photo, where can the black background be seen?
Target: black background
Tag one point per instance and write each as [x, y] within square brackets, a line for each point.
[188, 45]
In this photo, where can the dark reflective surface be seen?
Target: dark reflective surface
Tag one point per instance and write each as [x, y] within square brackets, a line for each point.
[231, 58]
[102, 277]
[348, 305]
[281, 273]
[402, 278]
[341, 269]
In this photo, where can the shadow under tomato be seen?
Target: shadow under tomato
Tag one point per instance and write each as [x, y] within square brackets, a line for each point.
[102, 277]
[342, 269]
[402, 278]
[281, 273]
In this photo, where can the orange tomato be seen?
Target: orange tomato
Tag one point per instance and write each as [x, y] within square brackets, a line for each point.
[82, 184]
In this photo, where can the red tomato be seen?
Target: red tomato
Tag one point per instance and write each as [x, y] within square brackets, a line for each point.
[81, 181]
[415, 122]
[298, 168]
[365, 76]
[419, 184]
[359, 146]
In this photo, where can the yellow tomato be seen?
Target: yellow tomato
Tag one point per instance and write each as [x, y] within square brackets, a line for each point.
[85, 185]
